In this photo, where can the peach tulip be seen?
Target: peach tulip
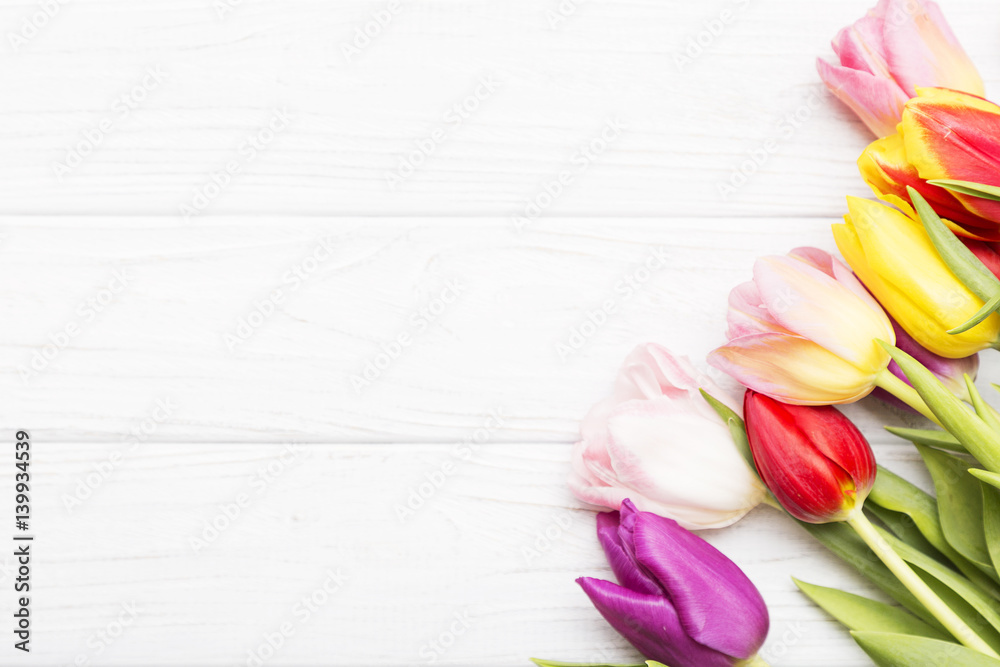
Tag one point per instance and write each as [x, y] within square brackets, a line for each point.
[805, 331]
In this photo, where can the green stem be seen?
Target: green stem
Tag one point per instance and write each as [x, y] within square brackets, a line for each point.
[755, 661]
[942, 612]
[904, 392]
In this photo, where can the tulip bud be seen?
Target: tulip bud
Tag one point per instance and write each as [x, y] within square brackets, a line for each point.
[679, 600]
[944, 135]
[655, 440]
[886, 55]
[886, 170]
[894, 257]
[954, 136]
[804, 331]
[814, 460]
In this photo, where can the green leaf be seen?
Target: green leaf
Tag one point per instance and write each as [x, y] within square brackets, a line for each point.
[980, 190]
[982, 408]
[991, 522]
[960, 506]
[892, 492]
[965, 265]
[556, 663]
[931, 437]
[889, 649]
[846, 545]
[976, 435]
[969, 602]
[860, 613]
[737, 429]
[653, 663]
[990, 478]
[988, 309]
[902, 526]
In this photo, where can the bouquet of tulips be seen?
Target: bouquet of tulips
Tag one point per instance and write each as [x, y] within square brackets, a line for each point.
[902, 318]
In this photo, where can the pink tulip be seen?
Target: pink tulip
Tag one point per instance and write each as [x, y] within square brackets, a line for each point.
[655, 440]
[805, 331]
[886, 55]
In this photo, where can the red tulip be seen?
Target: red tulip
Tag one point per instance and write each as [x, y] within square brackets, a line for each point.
[813, 459]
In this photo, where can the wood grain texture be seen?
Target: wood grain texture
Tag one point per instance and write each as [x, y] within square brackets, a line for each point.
[165, 358]
[498, 544]
[518, 338]
[689, 126]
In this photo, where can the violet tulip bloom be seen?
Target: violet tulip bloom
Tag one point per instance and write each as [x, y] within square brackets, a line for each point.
[897, 47]
[680, 601]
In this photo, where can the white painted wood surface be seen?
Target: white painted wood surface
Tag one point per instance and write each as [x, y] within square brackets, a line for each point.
[118, 306]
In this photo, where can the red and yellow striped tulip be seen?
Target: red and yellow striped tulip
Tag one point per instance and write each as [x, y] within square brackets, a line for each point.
[944, 134]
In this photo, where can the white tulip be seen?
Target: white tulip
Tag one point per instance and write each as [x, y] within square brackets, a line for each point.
[657, 442]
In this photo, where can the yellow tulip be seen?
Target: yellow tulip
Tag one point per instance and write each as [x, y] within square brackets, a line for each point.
[893, 256]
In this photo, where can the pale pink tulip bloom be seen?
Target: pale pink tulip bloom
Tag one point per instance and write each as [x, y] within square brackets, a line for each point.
[656, 441]
[899, 46]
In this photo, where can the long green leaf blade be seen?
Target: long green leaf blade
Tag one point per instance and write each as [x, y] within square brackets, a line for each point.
[960, 506]
[846, 545]
[860, 613]
[978, 609]
[888, 649]
[930, 437]
[894, 493]
[988, 309]
[970, 188]
[976, 435]
[965, 265]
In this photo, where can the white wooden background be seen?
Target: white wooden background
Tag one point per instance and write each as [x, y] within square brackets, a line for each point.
[147, 425]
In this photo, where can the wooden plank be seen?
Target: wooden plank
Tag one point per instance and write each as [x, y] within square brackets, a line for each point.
[689, 127]
[490, 557]
[196, 346]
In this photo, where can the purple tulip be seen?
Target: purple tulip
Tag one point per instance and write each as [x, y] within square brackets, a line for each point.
[951, 372]
[681, 601]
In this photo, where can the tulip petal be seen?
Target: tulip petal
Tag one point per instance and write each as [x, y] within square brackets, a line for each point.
[717, 604]
[887, 172]
[859, 46]
[792, 369]
[923, 325]
[893, 244]
[747, 313]
[627, 572]
[650, 624]
[985, 253]
[951, 135]
[833, 267]
[809, 476]
[700, 484]
[836, 438]
[657, 404]
[921, 49]
[813, 305]
[877, 101]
